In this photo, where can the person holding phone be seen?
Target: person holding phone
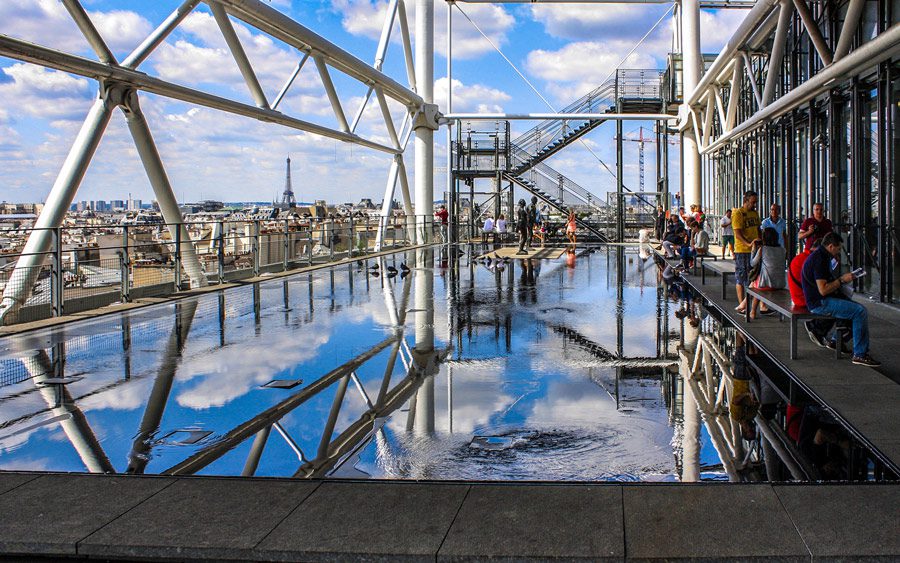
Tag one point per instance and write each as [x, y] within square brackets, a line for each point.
[821, 288]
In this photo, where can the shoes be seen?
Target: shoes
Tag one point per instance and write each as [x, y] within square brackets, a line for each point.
[767, 312]
[522, 252]
[817, 340]
[866, 360]
[845, 348]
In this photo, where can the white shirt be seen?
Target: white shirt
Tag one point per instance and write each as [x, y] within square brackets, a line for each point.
[501, 225]
[488, 225]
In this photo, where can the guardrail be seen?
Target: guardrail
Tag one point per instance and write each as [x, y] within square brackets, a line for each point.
[91, 266]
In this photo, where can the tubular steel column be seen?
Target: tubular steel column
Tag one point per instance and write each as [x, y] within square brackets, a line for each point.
[25, 274]
[424, 133]
[620, 180]
[692, 64]
[156, 173]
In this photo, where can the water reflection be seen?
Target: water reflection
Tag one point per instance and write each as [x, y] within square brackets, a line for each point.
[425, 364]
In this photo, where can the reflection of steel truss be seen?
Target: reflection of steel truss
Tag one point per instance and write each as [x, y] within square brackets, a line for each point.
[708, 384]
[333, 450]
[748, 73]
[120, 82]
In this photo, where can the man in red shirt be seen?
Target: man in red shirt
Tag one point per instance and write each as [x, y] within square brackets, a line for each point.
[815, 227]
[817, 329]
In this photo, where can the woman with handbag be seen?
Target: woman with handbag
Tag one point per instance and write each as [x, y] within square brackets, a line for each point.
[767, 261]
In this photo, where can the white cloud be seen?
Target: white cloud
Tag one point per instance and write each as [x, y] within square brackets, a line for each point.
[475, 97]
[39, 92]
[597, 22]
[366, 18]
[48, 23]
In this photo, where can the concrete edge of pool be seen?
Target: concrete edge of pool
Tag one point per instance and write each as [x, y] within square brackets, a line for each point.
[54, 515]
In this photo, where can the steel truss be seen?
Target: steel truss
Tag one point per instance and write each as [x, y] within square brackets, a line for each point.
[120, 84]
[748, 74]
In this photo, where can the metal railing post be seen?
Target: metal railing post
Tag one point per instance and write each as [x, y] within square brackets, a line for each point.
[309, 245]
[351, 241]
[179, 227]
[254, 248]
[124, 264]
[331, 234]
[57, 285]
[220, 251]
[287, 245]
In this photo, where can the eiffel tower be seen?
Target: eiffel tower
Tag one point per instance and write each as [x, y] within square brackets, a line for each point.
[288, 201]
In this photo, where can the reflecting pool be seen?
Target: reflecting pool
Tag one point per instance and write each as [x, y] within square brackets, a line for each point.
[425, 364]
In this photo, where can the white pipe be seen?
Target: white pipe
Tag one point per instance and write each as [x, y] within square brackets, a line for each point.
[388, 120]
[49, 58]
[748, 66]
[239, 55]
[168, 205]
[290, 81]
[25, 273]
[867, 55]
[90, 32]
[779, 45]
[159, 35]
[271, 21]
[424, 145]
[692, 63]
[380, 52]
[848, 30]
[546, 116]
[754, 17]
[815, 34]
[331, 93]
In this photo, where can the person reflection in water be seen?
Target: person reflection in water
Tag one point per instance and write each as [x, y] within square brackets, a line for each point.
[744, 405]
[527, 288]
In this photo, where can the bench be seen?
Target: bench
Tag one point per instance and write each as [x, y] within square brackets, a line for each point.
[700, 258]
[723, 268]
[779, 300]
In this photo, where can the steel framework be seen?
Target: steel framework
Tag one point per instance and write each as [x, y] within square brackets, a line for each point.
[120, 83]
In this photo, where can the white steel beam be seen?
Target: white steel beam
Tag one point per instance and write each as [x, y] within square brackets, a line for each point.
[546, 116]
[407, 45]
[290, 81]
[692, 64]
[331, 92]
[815, 34]
[159, 35]
[33, 256]
[866, 56]
[24, 51]
[165, 196]
[779, 45]
[734, 94]
[89, 31]
[748, 66]
[240, 56]
[278, 25]
[848, 30]
[424, 143]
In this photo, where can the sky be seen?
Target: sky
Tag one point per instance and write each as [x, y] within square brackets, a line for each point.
[564, 50]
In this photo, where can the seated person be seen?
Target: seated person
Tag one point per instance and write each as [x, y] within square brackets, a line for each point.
[500, 226]
[817, 329]
[699, 245]
[674, 238]
[488, 229]
[822, 291]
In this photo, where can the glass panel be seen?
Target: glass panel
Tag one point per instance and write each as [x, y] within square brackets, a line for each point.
[894, 243]
[869, 196]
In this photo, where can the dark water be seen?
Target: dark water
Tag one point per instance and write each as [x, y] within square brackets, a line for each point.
[557, 369]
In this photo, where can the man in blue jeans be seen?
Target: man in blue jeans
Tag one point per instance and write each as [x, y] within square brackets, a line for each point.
[823, 296]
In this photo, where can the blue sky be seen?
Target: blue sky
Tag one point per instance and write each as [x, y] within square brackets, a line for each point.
[565, 50]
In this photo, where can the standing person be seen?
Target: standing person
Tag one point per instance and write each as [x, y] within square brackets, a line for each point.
[488, 229]
[442, 214]
[822, 290]
[770, 255]
[727, 233]
[532, 218]
[501, 227]
[775, 221]
[745, 221]
[660, 222]
[571, 226]
[523, 227]
[815, 227]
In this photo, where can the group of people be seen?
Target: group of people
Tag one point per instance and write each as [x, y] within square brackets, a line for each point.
[813, 275]
[531, 223]
[685, 236]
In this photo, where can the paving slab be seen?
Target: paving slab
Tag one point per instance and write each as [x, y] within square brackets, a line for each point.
[366, 522]
[846, 522]
[538, 522]
[9, 481]
[705, 522]
[50, 514]
[200, 518]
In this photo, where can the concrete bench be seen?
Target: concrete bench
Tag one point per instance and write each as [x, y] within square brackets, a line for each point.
[722, 268]
[779, 300]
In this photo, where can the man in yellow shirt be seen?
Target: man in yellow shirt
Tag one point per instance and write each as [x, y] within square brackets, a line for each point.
[745, 221]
